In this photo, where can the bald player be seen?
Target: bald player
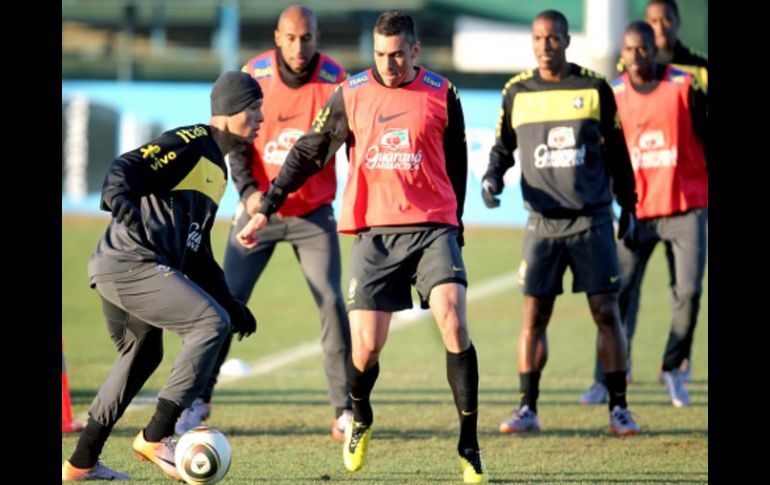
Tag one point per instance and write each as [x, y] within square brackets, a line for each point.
[299, 79]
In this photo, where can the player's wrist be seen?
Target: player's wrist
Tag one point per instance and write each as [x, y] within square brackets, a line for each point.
[270, 202]
[247, 192]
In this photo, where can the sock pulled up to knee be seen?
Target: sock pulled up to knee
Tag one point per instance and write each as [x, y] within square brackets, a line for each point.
[361, 385]
[462, 371]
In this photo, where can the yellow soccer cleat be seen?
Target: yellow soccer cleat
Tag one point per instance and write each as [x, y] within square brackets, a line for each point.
[472, 466]
[354, 450]
[159, 453]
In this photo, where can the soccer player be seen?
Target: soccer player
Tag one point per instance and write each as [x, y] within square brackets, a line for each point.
[562, 118]
[404, 201]
[154, 271]
[663, 17]
[663, 113]
[300, 79]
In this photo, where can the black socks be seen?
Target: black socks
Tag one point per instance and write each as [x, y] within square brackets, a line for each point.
[361, 385]
[162, 423]
[462, 372]
[616, 386]
[90, 445]
[529, 386]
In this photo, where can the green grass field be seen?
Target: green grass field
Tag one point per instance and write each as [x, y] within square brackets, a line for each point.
[278, 424]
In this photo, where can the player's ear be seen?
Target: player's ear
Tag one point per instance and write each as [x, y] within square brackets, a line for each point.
[415, 50]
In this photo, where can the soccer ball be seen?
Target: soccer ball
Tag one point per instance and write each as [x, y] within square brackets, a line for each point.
[202, 456]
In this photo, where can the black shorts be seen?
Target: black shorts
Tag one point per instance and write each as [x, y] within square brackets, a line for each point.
[590, 254]
[383, 267]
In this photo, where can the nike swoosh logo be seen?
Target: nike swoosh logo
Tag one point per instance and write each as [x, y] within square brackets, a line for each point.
[456, 268]
[468, 413]
[282, 118]
[385, 119]
[614, 279]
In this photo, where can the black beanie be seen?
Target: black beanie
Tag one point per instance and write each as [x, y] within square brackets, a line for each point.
[233, 92]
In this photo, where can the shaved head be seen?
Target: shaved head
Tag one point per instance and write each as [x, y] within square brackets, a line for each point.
[296, 37]
[298, 12]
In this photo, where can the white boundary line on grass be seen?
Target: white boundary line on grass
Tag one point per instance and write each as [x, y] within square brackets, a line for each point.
[292, 355]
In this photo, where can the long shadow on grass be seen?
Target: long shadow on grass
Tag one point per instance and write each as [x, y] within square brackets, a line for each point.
[652, 396]
[442, 390]
[585, 477]
[400, 434]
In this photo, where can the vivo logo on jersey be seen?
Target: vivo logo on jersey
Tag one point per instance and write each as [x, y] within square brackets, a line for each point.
[276, 150]
[560, 149]
[652, 152]
[391, 153]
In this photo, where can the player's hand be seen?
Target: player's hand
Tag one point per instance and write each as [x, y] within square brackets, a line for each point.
[252, 203]
[628, 229]
[491, 187]
[125, 211]
[247, 237]
[242, 321]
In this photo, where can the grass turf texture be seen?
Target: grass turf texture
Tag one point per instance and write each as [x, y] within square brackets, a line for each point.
[278, 424]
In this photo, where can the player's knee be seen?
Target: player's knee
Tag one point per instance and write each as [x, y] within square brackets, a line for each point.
[454, 327]
[333, 342]
[217, 325]
[606, 314]
[223, 327]
[687, 293]
[365, 358]
[330, 306]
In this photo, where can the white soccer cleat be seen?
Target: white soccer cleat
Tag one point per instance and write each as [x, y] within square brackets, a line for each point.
[341, 424]
[596, 394]
[677, 393]
[521, 420]
[193, 416]
[622, 423]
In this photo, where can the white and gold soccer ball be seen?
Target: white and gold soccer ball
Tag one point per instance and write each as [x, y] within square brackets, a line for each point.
[203, 456]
